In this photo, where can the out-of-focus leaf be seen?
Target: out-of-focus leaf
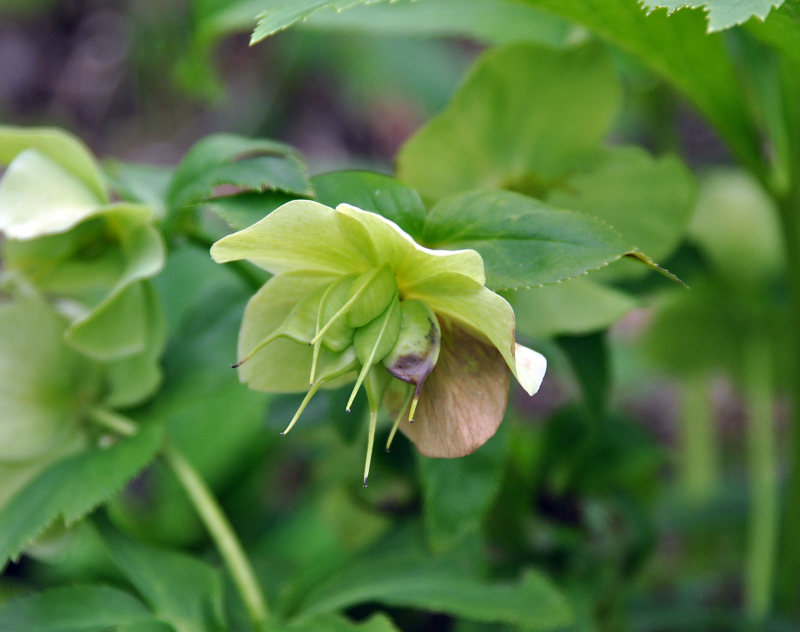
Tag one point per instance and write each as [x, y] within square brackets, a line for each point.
[73, 487]
[458, 492]
[87, 608]
[244, 164]
[374, 192]
[678, 48]
[184, 591]
[781, 29]
[575, 307]
[408, 577]
[245, 209]
[524, 243]
[338, 623]
[588, 355]
[140, 183]
[722, 14]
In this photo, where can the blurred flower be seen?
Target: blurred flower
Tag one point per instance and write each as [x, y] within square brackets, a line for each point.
[90, 257]
[354, 297]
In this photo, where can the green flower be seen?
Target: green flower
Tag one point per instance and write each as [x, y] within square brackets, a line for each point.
[92, 258]
[355, 298]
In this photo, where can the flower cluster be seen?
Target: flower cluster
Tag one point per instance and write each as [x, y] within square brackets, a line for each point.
[355, 298]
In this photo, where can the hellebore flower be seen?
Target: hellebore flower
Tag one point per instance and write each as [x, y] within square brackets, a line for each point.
[92, 258]
[355, 297]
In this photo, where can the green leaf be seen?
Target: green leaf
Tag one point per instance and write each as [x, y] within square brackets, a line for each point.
[88, 608]
[678, 48]
[242, 210]
[374, 192]
[781, 30]
[140, 184]
[71, 488]
[459, 492]
[722, 14]
[63, 148]
[497, 133]
[408, 580]
[239, 163]
[589, 357]
[339, 623]
[523, 242]
[277, 15]
[577, 306]
[184, 591]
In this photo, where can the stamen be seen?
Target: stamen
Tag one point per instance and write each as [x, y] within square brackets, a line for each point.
[400, 415]
[345, 307]
[314, 388]
[373, 422]
[371, 359]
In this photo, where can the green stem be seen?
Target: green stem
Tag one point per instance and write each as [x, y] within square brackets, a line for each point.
[789, 567]
[761, 446]
[699, 465]
[210, 513]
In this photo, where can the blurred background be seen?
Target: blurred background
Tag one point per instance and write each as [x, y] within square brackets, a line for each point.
[638, 506]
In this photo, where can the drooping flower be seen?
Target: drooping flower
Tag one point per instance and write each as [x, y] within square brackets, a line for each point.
[354, 297]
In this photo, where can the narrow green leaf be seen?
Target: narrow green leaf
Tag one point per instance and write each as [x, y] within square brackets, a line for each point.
[183, 590]
[89, 608]
[523, 242]
[243, 164]
[339, 623]
[72, 487]
[722, 14]
[374, 192]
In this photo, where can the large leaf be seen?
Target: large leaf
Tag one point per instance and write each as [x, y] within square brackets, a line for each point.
[71, 488]
[524, 243]
[184, 591]
[498, 132]
[722, 14]
[782, 29]
[88, 608]
[459, 492]
[237, 162]
[414, 580]
[678, 48]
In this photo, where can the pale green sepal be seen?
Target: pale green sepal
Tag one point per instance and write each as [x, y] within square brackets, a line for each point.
[44, 384]
[59, 146]
[40, 197]
[301, 235]
[411, 262]
[283, 366]
[481, 311]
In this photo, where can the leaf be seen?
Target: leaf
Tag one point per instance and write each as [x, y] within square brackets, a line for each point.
[184, 591]
[72, 487]
[722, 14]
[87, 608]
[589, 357]
[235, 161]
[678, 48]
[458, 493]
[577, 306]
[63, 148]
[277, 15]
[374, 192]
[410, 580]
[497, 133]
[140, 184]
[338, 623]
[523, 242]
[781, 30]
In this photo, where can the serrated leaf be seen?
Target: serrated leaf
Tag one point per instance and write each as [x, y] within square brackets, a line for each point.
[412, 580]
[185, 591]
[277, 15]
[374, 192]
[243, 163]
[523, 242]
[457, 493]
[71, 488]
[722, 14]
[89, 608]
[782, 30]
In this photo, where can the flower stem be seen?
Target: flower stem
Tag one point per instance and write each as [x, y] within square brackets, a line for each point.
[210, 513]
[699, 465]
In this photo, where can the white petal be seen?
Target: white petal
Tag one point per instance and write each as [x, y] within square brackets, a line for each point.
[531, 366]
